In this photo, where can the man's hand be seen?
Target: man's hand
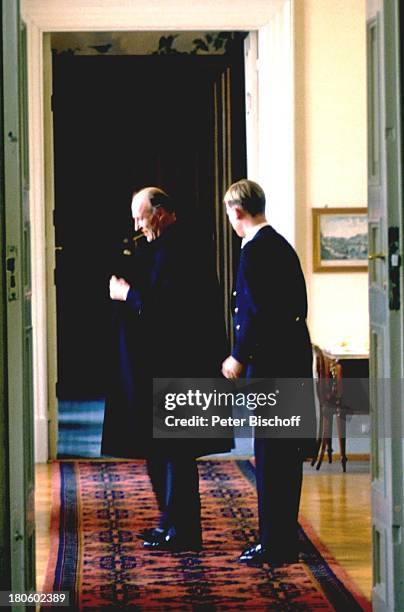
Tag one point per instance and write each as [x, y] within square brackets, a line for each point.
[231, 368]
[118, 288]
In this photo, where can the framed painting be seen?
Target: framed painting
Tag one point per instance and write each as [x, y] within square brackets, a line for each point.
[340, 239]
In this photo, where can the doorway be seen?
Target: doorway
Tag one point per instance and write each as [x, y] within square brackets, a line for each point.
[274, 19]
[120, 123]
[269, 20]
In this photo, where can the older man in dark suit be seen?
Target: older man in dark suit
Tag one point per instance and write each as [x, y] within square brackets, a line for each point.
[271, 341]
[173, 312]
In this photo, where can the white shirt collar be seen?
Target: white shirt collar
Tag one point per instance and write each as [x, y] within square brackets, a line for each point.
[251, 232]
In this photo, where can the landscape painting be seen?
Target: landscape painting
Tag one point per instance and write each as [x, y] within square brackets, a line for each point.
[340, 242]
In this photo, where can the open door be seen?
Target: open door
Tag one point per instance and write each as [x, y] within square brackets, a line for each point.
[19, 457]
[385, 295]
[123, 132]
[229, 160]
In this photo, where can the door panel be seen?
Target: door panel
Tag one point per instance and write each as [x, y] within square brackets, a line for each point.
[386, 327]
[229, 166]
[121, 123]
[19, 329]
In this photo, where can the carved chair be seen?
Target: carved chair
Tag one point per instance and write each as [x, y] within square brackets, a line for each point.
[328, 382]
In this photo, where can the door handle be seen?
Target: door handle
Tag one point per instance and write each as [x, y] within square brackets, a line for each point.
[374, 256]
[11, 272]
[394, 268]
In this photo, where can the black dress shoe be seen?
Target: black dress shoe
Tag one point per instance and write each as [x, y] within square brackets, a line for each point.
[150, 534]
[172, 543]
[251, 553]
[257, 555]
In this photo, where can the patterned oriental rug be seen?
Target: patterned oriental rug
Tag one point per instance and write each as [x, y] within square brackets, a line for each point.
[98, 507]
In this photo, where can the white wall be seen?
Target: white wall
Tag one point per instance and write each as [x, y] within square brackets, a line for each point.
[331, 154]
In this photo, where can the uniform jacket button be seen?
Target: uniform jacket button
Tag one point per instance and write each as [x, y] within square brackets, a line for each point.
[236, 310]
[237, 327]
[234, 292]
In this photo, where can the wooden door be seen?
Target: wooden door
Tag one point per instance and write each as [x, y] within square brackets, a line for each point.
[229, 132]
[122, 123]
[385, 297]
[19, 452]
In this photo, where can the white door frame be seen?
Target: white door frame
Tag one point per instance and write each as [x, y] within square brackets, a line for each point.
[273, 20]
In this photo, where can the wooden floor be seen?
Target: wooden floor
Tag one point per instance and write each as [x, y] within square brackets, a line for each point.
[42, 519]
[338, 508]
[336, 505]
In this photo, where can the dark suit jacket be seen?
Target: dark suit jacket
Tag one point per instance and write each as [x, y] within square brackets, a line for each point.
[174, 315]
[271, 336]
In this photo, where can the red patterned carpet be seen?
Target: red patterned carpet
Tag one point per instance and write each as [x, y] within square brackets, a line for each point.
[99, 507]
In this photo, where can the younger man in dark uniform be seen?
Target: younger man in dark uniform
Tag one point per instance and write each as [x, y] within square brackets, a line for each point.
[271, 341]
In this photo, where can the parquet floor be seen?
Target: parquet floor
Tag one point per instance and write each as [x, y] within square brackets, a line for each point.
[336, 505]
[338, 508]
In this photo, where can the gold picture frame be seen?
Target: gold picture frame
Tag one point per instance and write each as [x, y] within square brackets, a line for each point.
[340, 242]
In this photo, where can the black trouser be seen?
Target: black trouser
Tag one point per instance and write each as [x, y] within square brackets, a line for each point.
[175, 483]
[278, 467]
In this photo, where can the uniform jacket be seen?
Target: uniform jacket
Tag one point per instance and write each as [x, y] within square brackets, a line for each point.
[171, 326]
[270, 309]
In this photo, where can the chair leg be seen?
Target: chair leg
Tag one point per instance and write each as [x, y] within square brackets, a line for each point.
[325, 441]
[341, 428]
[321, 454]
[328, 435]
[329, 450]
[319, 437]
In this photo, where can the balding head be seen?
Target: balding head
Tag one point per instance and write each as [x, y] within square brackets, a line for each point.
[152, 212]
